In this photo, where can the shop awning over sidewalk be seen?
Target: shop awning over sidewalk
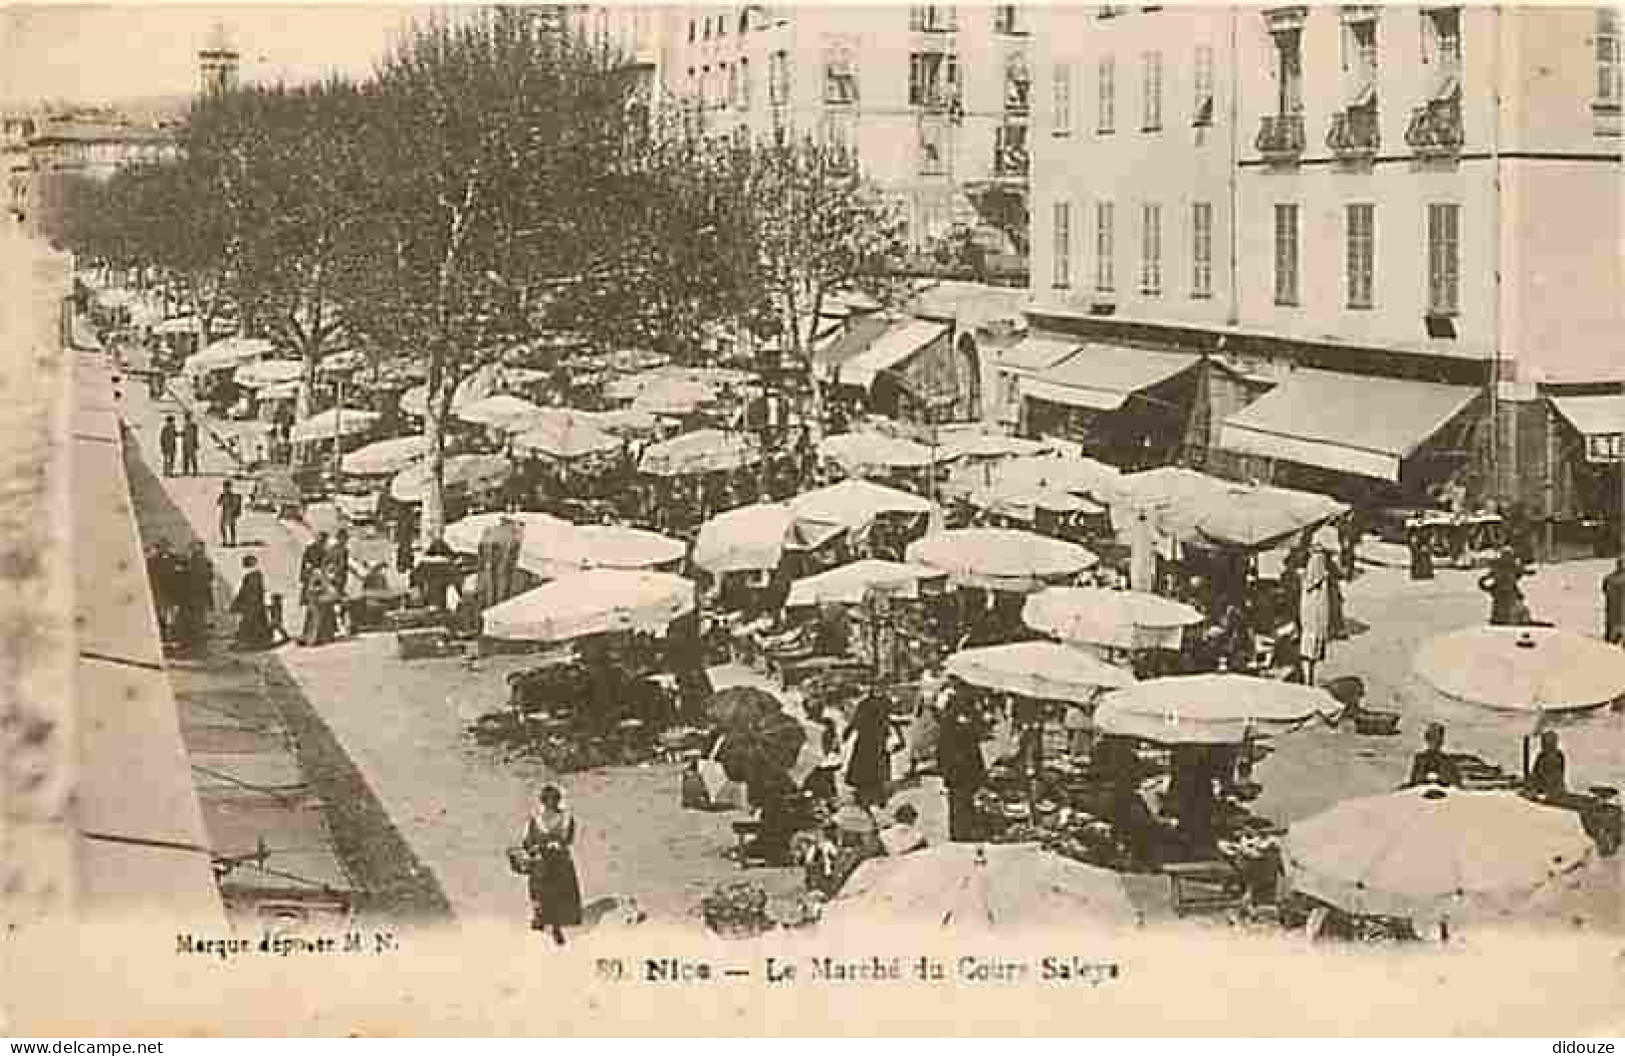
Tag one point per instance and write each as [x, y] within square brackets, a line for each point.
[1344, 422]
[1600, 419]
[1035, 354]
[1103, 377]
[890, 350]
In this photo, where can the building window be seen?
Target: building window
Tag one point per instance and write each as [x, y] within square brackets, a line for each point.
[691, 31]
[706, 33]
[840, 75]
[778, 78]
[1203, 110]
[1286, 255]
[1360, 250]
[722, 25]
[1105, 276]
[1009, 19]
[1062, 271]
[1202, 250]
[1444, 258]
[1289, 71]
[933, 80]
[1062, 99]
[1151, 250]
[1108, 95]
[1610, 85]
[1441, 37]
[744, 21]
[933, 18]
[1152, 92]
[933, 149]
[745, 93]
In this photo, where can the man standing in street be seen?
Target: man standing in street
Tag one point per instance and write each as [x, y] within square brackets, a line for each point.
[189, 443]
[960, 762]
[196, 597]
[1613, 603]
[231, 508]
[167, 437]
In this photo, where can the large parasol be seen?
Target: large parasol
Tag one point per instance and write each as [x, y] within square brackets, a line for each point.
[333, 423]
[864, 453]
[1211, 709]
[1121, 619]
[850, 584]
[500, 411]
[386, 456]
[1001, 559]
[747, 539]
[701, 451]
[463, 536]
[576, 548]
[855, 504]
[1039, 670]
[563, 436]
[595, 602]
[459, 473]
[1431, 854]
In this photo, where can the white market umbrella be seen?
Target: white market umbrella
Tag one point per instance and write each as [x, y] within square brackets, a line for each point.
[185, 324]
[459, 472]
[282, 390]
[228, 353]
[1079, 476]
[673, 396]
[333, 423]
[501, 411]
[1212, 709]
[1025, 501]
[563, 436]
[464, 535]
[386, 456]
[1040, 670]
[552, 554]
[594, 602]
[746, 539]
[625, 422]
[854, 504]
[850, 584]
[114, 297]
[860, 453]
[1523, 669]
[1122, 619]
[981, 446]
[1432, 854]
[701, 451]
[265, 372]
[1001, 559]
[982, 887]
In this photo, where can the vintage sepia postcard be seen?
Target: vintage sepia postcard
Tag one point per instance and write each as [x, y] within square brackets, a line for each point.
[792, 519]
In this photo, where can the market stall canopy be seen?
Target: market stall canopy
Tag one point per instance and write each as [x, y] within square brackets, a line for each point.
[563, 436]
[1429, 854]
[1039, 670]
[1600, 420]
[702, 451]
[979, 887]
[1212, 709]
[625, 422]
[1103, 377]
[595, 602]
[1263, 517]
[1350, 423]
[673, 396]
[260, 373]
[1001, 559]
[477, 386]
[978, 445]
[851, 584]
[854, 504]
[460, 472]
[333, 423]
[890, 351]
[1079, 476]
[500, 411]
[747, 539]
[1523, 669]
[386, 456]
[227, 354]
[860, 453]
[555, 552]
[1121, 619]
[1034, 355]
[185, 324]
[1025, 501]
[464, 535]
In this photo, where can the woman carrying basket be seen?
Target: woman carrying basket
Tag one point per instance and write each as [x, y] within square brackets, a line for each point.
[555, 891]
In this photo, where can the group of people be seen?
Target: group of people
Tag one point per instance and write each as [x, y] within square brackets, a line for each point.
[183, 592]
[324, 581]
[180, 439]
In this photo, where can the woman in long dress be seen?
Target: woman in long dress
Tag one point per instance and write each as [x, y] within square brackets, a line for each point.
[869, 768]
[555, 891]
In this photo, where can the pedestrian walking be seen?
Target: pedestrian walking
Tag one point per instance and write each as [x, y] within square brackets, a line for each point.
[160, 577]
[550, 869]
[189, 446]
[1501, 584]
[196, 599]
[231, 508]
[168, 436]
[338, 577]
[320, 605]
[253, 618]
[1613, 603]
[868, 770]
[960, 762]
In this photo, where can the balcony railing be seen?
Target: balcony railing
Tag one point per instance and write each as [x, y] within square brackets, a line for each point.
[1011, 160]
[1354, 133]
[1280, 137]
[1435, 129]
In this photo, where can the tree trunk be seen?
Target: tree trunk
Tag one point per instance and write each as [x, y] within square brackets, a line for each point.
[433, 521]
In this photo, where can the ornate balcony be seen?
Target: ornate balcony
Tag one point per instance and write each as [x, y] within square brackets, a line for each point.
[1280, 138]
[1354, 133]
[1011, 160]
[1435, 130]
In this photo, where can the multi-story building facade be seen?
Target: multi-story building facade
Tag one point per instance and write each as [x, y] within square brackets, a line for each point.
[930, 101]
[1390, 234]
[631, 35]
[15, 132]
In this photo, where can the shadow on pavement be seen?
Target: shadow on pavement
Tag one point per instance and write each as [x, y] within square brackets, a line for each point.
[394, 883]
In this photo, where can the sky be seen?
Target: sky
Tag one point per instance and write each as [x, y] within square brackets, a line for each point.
[99, 52]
